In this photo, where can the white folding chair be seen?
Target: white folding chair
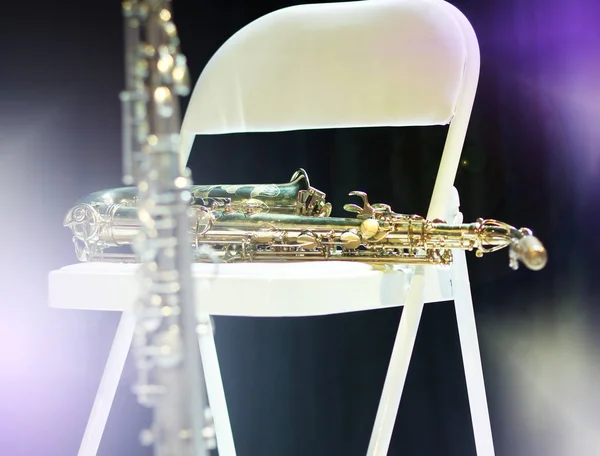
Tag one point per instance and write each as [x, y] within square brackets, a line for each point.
[360, 64]
[336, 65]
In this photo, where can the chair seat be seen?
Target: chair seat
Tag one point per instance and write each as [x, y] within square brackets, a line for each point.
[253, 289]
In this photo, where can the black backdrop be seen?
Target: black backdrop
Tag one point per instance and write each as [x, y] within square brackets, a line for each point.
[311, 386]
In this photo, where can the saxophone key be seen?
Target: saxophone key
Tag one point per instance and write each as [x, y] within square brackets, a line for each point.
[307, 241]
[350, 240]
[369, 228]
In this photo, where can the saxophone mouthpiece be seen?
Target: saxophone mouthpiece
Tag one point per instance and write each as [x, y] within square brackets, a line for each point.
[531, 252]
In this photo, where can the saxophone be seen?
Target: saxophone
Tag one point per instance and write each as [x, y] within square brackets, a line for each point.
[292, 222]
[166, 350]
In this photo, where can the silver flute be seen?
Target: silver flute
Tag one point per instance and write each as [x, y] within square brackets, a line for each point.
[167, 353]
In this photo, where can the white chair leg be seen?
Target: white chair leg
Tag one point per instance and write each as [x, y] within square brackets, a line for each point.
[108, 385]
[214, 388]
[398, 367]
[467, 331]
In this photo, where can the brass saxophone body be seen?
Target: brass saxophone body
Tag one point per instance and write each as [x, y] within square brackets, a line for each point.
[291, 222]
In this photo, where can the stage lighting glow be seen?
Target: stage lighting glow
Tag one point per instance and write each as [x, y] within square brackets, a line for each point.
[550, 368]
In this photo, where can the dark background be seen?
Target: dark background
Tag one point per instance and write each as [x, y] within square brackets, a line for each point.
[311, 386]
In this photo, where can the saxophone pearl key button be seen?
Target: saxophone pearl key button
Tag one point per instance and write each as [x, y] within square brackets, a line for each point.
[307, 241]
[369, 228]
[350, 240]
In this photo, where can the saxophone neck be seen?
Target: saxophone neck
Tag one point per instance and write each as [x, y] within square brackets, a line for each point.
[523, 246]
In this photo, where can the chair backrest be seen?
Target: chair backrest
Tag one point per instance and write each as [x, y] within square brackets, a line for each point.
[335, 65]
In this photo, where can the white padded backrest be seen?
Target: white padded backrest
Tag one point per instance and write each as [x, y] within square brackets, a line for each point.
[365, 63]
[334, 65]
